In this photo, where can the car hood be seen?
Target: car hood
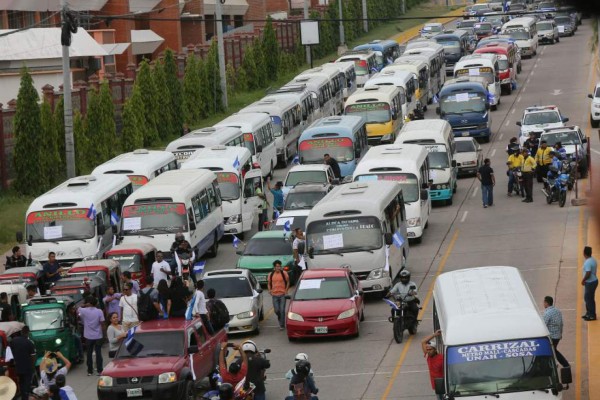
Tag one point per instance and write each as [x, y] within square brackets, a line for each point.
[146, 366]
[440, 175]
[238, 305]
[262, 263]
[462, 157]
[321, 308]
[540, 127]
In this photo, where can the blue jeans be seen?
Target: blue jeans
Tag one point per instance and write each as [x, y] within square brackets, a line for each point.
[589, 297]
[94, 345]
[487, 194]
[511, 181]
[279, 308]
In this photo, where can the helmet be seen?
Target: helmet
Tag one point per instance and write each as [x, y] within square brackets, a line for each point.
[250, 346]
[301, 356]
[225, 391]
[303, 368]
[234, 368]
[405, 276]
[179, 237]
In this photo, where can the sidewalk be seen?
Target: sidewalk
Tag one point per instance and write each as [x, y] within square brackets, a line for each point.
[593, 328]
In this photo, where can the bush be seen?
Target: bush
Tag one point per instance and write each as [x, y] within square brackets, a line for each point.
[132, 137]
[150, 99]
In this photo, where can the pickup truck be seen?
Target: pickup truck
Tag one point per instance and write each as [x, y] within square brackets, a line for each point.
[165, 360]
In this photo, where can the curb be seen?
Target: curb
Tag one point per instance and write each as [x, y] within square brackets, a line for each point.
[593, 328]
[413, 32]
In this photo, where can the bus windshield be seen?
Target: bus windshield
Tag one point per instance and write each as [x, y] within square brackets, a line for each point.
[154, 218]
[485, 72]
[408, 182]
[344, 235]
[461, 103]
[229, 185]
[450, 45]
[313, 150]
[277, 129]
[372, 112]
[55, 225]
[501, 367]
[518, 34]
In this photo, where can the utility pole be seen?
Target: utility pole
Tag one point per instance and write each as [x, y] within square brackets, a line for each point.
[342, 48]
[221, 51]
[308, 53]
[66, 67]
[403, 7]
[365, 20]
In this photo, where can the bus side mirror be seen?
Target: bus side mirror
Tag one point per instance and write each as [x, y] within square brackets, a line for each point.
[453, 163]
[424, 194]
[19, 236]
[584, 140]
[519, 123]
[388, 238]
[438, 111]
[565, 119]
[439, 386]
[311, 252]
[565, 376]
[335, 181]
[100, 225]
[286, 130]
[259, 148]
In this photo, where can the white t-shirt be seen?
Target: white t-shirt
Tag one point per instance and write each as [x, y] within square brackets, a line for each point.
[301, 256]
[47, 382]
[200, 303]
[129, 304]
[157, 273]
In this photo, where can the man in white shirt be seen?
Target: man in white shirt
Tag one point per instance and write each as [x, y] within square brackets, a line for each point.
[128, 304]
[160, 268]
[298, 248]
[200, 309]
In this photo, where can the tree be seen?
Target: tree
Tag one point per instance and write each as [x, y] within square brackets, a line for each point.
[51, 161]
[99, 147]
[261, 65]
[250, 68]
[174, 96]
[206, 96]
[82, 145]
[150, 99]
[213, 79]
[167, 119]
[29, 153]
[59, 121]
[132, 137]
[109, 128]
[270, 47]
[231, 77]
[192, 98]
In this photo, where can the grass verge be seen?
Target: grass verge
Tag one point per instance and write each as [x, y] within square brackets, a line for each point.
[12, 213]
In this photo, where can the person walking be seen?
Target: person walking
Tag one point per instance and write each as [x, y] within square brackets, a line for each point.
[263, 205]
[92, 319]
[217, 310]
[543, 159]
[435, 360]
[335, 167]
[278, 283]
[485, 174]
[527, 171]
[148, 307]
[298, 248]
[111, 301]
[554, 321]
[200, 309]
[590, 284]
[23, 351]
[128, 305]
[160, 268]
[115, 334]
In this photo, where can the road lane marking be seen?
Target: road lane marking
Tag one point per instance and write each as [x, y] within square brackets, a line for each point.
[507, 122]
[513, 110]
[441, 267]
[493, 153]
[519, 96]
[595, 151]
[500, 137]
[464, 217]
[475, 191]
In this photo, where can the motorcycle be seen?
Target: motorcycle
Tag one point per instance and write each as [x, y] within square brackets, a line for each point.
[555, 186]
[518, 182]
[402, 318]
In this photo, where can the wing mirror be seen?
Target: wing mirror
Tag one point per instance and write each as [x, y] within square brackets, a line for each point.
[453, 163]
[590, 96]
[565, 119]
[311, 252]
[424, 194]
[388, 238]
[335, 181]
[519, 123]
[259, 148]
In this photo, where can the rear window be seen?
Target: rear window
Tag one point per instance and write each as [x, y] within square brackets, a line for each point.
[466, 146]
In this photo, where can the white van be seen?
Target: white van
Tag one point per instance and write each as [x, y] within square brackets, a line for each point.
[437, 137]
[494, 342]
[421, 70]
[322, 88]
[406, 82]
[524, 31]
[337, 81]
[406, 164]
[361, 224]
[182, 201]
[76, 219]
[434, 54]
[286, 116]
[484, 65]
[140, 166]
[233, 168]
[365, 64]
[349, 71]
[186, 145]
[258, 138]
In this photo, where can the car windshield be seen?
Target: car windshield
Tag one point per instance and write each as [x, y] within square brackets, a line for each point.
[303, 200]
[597, 93]
[547, 5]
[372, 112]
[229, 185]
[432, 28]
[438, 160]
[465, 146]
[297, 177]
[336, 236]
[153, 344]
[467, 24]
[55, 225]
[276, 246]
[460, 103]
[449, 44]
[544, 26]
[229, 287]
[518, 34]
[565, 138]
[408, 182]
[154, 218]
[126, 261]
[312, 150]
[539, 118]
[483, 28]
[45, 318]
[562, 20]
[323, 289]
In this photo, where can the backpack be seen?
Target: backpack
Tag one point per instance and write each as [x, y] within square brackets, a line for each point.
[146, 309]
[282, 275]
[218, 313]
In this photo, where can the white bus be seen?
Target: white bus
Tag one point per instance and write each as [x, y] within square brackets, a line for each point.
[309, 104]
[365, 64]
[406, 82]
[233, 168]
[322, 87]
[74, 219]
[258, 137]
[286, 116]
[366, 222]
[185, 146]
[494, 341]
[349, 71]
[421, 70]
[140, 166]
[406, 164]
[484, 66]
[182, 201]
[434, 53]
[524, 31]
[433, 77]
[337, 80]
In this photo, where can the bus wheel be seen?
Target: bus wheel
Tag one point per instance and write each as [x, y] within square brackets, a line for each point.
[214, 249]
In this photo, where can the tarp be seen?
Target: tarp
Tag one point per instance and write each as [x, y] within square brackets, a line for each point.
[145, 41]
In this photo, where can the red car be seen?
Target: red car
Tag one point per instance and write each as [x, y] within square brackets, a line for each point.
[326, 302]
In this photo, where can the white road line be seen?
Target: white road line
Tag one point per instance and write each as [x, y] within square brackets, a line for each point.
[464, 216]
[519, 97]
[513, 110]
[475, 191]
[507, 122]
[492, 153]
[530, 75]
[595, 151]
[500, 137]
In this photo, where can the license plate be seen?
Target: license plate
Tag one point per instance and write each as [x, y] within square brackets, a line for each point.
[465, 133]
[137, 392]
[320, 329]
[261, 278]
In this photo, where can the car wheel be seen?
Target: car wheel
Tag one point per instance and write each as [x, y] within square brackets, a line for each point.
[594, 123]
[449, 201]
[362, 314]
[357, 334]
[418, 240]
[291, 339]
[188, 392]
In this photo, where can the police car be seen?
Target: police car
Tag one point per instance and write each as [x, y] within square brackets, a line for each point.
[538, 118]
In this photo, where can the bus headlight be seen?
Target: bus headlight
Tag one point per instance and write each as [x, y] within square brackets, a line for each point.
[412, 222]
[58, 341]
[235, 219]
[378, 273]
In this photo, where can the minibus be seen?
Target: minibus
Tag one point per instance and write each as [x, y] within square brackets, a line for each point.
[349, 71]
[186, 145]
[419, 68]
[257, 137]
[493, 340]
[456, 45]
[524, 31]
[309, 106]
[365, 64]
[507, 57]
[406, 164]
[389, 49]
[322, 88]
[183, 201]
[337, 82]
[434, 54]
[381, 107]
[236, 178]
[76, 219]
[286, 116]
[140, 166]
[437, 137]
[344, 138]
[405, 81]
[365, 221]
[485, 66]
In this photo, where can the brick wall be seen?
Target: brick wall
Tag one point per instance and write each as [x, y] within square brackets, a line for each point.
[257, 10]
[277, 5]
[170, 29]
[122, 29]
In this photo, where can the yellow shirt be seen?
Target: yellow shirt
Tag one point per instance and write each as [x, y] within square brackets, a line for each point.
[515, 161]
[543, 157]
[529, 164]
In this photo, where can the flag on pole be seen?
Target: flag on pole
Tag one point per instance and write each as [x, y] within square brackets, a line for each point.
[296, 159]
[236, 241]
[287, 227]
[236, 163]
[91, 214]
[505, 6]
[199, 267]
[435, 99]
[133, 346]
[398, 240]
[114, 218]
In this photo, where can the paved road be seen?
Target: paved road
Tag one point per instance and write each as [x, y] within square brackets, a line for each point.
[543, 241]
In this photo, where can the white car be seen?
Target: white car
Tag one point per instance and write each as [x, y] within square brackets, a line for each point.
[538, 118]
[595, 107]
[468, 155]
[241, 293]
[308, 173]
[431, 29]
[293, 219]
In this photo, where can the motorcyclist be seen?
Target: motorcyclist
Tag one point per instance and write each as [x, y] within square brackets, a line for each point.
[561, 152]
[302, 387]
[556, 166]
[257, 366]
[404, 291]
[292, 372]
[181, 250]
[513, 146]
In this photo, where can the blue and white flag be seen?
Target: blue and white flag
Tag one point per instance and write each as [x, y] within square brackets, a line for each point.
[276, 214]
[505, 6]
[91, 214]
[199, 267]
[398, 240]
[133, 346]
[236, 241]
[189, 312]
[435, 99]
[114, 218]
[491, 97]
[287, 227]
[296, 159]
[236, 163]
